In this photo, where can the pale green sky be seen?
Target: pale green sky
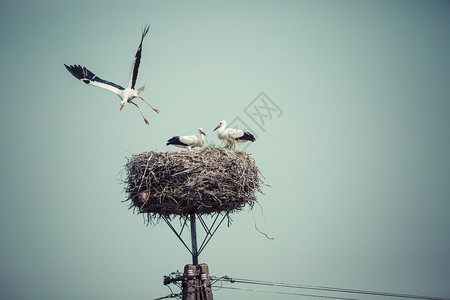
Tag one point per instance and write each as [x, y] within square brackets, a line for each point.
[358, 162]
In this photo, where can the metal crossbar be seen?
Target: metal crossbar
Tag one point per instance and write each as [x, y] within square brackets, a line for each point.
[176, 233]
[209, 230]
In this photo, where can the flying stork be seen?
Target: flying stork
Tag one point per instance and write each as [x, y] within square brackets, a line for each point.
[231, 135]
[188, 142]
[126, 94]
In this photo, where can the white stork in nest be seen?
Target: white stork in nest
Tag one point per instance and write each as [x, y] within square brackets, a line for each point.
[126, 94]
[233, 136]
[189, 141]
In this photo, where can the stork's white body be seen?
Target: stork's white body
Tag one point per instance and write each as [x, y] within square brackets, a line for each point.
[127, 94]
[232, 135]
[229, 134]
[188, 141]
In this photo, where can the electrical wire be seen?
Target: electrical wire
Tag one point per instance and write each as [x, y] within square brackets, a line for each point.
[170, 289]
[324, 288]
[287, 293]
[169, 296]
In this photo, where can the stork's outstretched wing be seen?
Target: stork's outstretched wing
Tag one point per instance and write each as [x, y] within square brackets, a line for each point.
[88, 77]
[137, 60]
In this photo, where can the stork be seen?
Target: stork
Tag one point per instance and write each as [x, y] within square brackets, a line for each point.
[189, 141]
[231, 135]
[126, 94]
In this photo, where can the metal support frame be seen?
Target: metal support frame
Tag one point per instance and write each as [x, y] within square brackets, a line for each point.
[194, 240]
[209, 230]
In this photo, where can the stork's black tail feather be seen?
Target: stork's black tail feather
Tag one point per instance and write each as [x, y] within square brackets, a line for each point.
[247, 137]
[174, 141]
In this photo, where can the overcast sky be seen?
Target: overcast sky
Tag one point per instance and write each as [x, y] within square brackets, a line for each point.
[352, 137]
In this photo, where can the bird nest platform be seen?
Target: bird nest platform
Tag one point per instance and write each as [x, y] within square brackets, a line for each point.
[206, 181]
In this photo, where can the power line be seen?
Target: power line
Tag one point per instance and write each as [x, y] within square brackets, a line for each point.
[168, 296]
[325, 288]
[287, 293]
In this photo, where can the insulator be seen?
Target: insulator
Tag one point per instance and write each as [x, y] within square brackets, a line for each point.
[203, 276]
[190, 272]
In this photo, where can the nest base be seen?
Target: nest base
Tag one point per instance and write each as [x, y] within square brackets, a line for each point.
[207, 181]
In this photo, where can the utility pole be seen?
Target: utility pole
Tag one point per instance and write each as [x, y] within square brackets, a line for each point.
[196, 283]
[189, 286]
[204, 276]
[195, 279]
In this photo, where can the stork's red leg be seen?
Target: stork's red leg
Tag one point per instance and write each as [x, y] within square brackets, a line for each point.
[157, 111]
[146, 121]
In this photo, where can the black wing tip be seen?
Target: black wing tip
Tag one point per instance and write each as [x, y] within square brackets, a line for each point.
[82, 73]
[75, 70]
[171, 140]
[175, 141]
[144, 32]
[248, 136]
[69, 67]
[73, 67]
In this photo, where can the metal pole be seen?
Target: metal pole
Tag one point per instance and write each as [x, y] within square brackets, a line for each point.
[194, 241]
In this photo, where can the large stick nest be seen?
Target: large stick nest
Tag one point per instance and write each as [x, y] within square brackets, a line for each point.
[202, 182]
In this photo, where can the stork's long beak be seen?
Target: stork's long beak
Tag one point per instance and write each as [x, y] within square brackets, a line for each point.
[121, 106]
[201, 131]
[218, 126]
